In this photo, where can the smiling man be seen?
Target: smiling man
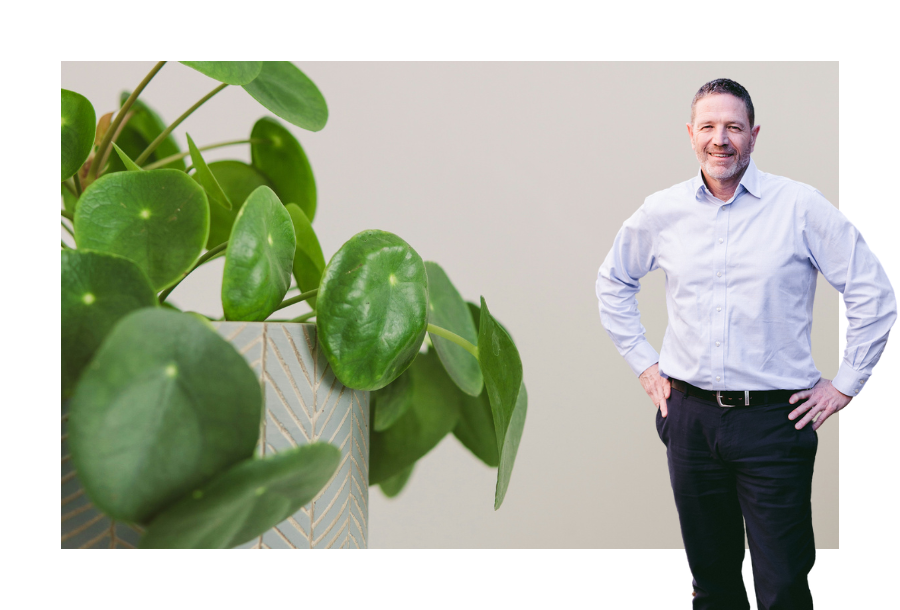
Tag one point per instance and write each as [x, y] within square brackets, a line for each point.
[739, 398]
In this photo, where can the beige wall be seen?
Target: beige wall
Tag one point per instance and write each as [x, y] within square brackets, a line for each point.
[515, 177]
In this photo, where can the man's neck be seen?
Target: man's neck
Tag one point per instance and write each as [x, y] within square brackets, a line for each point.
[723, 189]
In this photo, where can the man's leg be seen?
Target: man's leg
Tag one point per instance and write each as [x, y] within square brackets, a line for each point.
[708, 508]
[774, 479]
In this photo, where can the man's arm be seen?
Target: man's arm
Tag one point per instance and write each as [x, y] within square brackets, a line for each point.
[842, 256]
[630, 259]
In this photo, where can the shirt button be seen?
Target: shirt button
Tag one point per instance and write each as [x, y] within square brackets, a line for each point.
[718, 274]
[718, 309]
[717, 378]
[721, 240]
[717, 344]
[856, 390]
[860, 382]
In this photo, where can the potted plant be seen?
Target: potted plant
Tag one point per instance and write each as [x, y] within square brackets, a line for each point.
[171, 431]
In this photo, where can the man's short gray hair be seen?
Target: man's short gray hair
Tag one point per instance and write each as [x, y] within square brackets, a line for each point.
[724, 85]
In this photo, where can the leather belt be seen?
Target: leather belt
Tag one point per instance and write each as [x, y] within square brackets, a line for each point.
[733, 398]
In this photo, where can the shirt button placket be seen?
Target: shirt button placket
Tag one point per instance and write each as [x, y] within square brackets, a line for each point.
[719, 296]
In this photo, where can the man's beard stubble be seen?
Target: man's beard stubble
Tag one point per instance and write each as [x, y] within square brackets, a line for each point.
[740, 162]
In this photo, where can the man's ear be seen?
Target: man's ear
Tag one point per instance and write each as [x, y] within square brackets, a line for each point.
[690, 129]
[753, 133]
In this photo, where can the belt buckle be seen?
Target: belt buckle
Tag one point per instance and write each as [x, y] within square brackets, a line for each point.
[719, 399]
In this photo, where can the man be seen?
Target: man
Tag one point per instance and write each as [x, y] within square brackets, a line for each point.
[741, 250]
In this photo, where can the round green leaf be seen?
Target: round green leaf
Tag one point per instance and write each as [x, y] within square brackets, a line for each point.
[158, 219]
[475, 428]
[395, 484]
[447, 310]
[433, 413]
[165, 405]
[502, 369]
[393, 400]
[79, 123]
[511, 446]
[231, 72]
[237, 180]
[245, 501]
[259, 258]
[143, 126]
[372, 309]
[97, 291]
[308, 260]
[288, 93]
[206, 178]
[282, 160]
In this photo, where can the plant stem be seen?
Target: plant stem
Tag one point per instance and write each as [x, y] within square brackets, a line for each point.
[449, 336]
[66, 214]
[300, 297]
[66, 227]
[303, 318]
[107, 138]
[77, 180]
[115, 138]
[171, 158]
[70, 186]
[210, 254]
[178, 121]
[65, 246]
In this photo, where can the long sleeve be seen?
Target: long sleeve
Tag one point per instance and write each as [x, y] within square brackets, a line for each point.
[841, 254]
[630, 258]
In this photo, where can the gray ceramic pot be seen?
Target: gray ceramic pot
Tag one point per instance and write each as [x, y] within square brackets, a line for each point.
[304, 403]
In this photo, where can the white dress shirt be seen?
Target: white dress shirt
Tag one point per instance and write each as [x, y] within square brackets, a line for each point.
[740, 282]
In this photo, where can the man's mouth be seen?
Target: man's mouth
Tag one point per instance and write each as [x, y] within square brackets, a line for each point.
[721, 155]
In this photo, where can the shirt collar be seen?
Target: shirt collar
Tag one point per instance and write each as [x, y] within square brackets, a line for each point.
[750, 181]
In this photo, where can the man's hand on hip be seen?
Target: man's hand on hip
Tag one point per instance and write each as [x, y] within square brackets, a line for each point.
[658, 388]
[824, 399]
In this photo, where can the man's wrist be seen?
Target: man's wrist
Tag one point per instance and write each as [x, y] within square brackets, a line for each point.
[650, 369]
[849, 398]
[849, 381]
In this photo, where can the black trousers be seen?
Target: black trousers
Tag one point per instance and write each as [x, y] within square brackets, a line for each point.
[731, 465]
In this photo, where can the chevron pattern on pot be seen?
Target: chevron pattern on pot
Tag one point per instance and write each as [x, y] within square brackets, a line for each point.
[304, 403]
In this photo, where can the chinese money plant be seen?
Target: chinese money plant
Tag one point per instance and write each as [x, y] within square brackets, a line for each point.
[163, 413]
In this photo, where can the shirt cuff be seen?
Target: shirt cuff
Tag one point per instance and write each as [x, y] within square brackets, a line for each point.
[641, 357]
[849, 381]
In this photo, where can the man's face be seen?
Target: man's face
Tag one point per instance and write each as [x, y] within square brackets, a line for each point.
[721, 135]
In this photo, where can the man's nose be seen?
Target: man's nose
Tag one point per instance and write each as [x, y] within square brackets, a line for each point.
[720, 137]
